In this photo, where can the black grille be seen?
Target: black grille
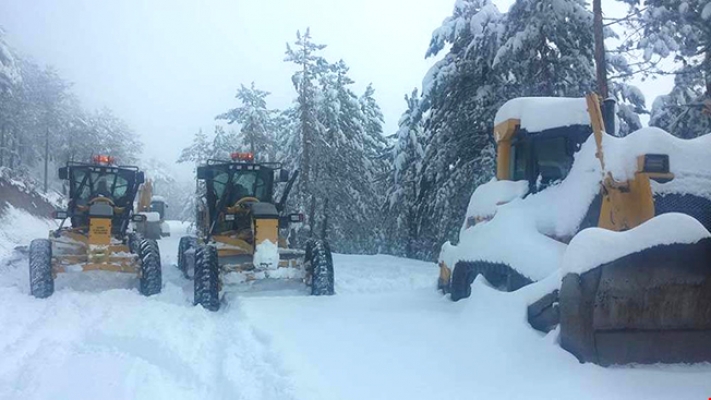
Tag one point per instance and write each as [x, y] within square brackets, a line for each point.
[695, 206]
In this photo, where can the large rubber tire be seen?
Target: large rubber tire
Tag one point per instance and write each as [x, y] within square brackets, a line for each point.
[499, 275]
[41, 279]
[321, 268]
[207, 276]
[186, 262]
[151, 280]
[134, 242]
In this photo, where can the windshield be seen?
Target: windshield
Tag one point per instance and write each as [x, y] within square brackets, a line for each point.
[90, 182]
[244, 183]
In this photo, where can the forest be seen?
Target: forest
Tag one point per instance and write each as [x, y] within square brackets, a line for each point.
[401, 192]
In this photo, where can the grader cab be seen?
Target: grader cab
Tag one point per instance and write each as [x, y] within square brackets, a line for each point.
[242, 232]
[100, 209]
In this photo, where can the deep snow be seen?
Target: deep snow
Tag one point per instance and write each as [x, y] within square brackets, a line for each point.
[387, 334]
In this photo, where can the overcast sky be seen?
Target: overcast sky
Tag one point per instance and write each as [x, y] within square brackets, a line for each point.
[169, 66]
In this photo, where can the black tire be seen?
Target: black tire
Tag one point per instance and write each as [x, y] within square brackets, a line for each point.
[460, 286]
[41, 279]
[134, 242]
[499, 275]
[206, 281]
[186, 262]
[151, 280]
[321, 268]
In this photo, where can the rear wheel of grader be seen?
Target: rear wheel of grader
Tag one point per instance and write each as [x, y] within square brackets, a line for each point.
[41, 279]
[206, 280]
[151, 279]
[186, 256]
[320, 267]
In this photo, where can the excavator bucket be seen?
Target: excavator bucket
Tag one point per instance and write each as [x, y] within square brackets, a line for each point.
[647, 307]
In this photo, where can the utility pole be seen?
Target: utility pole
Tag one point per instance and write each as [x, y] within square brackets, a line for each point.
[600, 64]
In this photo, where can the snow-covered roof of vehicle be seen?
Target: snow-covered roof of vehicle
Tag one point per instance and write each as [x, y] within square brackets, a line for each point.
[537, 114]
[158, 198]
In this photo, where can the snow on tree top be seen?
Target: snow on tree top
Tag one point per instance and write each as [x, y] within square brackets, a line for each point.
[540, 113]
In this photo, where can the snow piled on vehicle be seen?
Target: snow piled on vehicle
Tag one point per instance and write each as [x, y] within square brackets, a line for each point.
[534, 113]
[522, 227]
[596, 246]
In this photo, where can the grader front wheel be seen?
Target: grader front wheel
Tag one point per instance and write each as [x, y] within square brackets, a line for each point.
[151, 280]
[206, 280]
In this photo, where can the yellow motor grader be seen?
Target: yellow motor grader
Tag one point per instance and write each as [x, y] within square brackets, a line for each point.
[153, 208]
[100, 209]
[242, 232]
[649, 306]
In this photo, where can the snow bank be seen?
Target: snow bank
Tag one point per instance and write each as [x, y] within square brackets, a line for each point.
[266, 255]
[596, 246]
[19, 228]
[535, 112]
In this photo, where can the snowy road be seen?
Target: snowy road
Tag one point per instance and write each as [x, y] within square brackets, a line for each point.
[387, 334]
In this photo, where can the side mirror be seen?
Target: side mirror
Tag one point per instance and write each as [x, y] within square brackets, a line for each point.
[138, 218]
[203, 173]
[60, 214]
[140, 177]
[64, 173]
[283, 175]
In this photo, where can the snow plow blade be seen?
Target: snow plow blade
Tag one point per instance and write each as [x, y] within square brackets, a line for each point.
[647, 307]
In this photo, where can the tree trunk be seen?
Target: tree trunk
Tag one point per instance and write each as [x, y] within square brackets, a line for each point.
[600, 64]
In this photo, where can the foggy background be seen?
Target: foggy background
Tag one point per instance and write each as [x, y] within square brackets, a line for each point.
[169, 67]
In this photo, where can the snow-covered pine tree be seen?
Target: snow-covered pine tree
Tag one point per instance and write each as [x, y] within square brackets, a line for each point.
[460, 95]
[255, 122]
[308, 132]
[199, 150]
[407, 153]
[9, 71]
[548, 49]
[678, 28]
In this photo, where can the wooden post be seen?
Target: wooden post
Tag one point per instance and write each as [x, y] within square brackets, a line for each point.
[600, 64]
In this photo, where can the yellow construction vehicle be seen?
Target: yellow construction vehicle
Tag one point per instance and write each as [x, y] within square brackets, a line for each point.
[649, 306]
[153, 208]
[100, 209]
[242, 232]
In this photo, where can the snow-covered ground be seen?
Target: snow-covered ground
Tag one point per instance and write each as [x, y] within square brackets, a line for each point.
[387, 334]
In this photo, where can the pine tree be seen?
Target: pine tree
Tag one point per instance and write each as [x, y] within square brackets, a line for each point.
[309, 131]
[548, 49]
[678, 28]
[461, 93]
[255, 121]
[199, 150]
[407, 154]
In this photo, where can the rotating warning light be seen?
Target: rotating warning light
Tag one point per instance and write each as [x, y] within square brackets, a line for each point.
[103, 159]
[242, 156]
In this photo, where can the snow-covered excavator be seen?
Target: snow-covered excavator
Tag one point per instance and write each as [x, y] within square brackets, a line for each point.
[242, 232]
[100, 209]
[153, 207]
[633, 288]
